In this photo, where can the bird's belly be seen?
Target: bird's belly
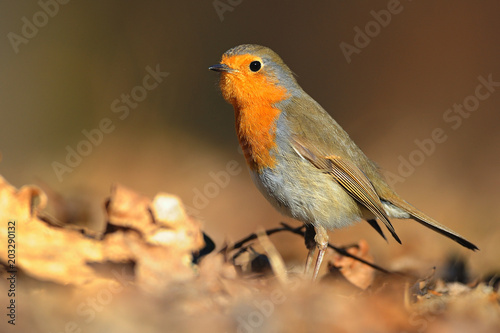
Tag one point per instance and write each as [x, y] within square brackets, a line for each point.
[298, 189]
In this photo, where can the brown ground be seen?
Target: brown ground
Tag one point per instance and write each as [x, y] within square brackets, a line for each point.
[152, 270]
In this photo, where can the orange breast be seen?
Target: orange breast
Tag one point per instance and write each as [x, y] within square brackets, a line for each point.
[256, 130]
[253, 96]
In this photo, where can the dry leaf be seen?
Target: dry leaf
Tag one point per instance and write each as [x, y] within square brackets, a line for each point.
[356, 272]
[66, 256]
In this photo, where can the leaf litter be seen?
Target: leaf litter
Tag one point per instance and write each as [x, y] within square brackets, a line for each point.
[152, 269]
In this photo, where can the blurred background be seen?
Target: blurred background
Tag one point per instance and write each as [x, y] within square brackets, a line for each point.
[64, 66]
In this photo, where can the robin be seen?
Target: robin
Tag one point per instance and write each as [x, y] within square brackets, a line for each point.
[301, 160]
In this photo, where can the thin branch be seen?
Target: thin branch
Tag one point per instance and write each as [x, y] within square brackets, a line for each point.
[251, 237]
[338, 250]
[299, 231]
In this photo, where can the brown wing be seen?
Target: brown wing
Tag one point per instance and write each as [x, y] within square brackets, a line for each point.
[349, 176]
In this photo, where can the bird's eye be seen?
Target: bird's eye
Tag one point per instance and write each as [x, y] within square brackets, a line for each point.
[255, 66]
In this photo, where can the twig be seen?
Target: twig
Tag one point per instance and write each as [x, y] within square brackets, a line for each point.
[339, 250]
[251, 237]
[299, 231]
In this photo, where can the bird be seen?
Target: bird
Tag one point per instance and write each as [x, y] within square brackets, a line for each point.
[301, 160]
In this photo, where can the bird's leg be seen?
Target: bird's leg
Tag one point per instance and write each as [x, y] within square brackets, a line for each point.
[309, 235]
[321, 239]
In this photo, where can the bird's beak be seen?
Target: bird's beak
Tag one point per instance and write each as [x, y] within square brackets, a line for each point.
[220, 68]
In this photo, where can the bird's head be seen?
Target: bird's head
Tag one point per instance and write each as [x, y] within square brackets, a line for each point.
[254, 74]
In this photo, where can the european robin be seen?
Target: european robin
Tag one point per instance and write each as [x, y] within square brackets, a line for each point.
[301, 160]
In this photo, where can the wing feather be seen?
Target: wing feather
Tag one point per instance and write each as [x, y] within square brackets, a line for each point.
[350, 177]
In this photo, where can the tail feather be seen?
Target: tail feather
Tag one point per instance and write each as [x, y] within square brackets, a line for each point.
[431, 223]
[434, 225]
